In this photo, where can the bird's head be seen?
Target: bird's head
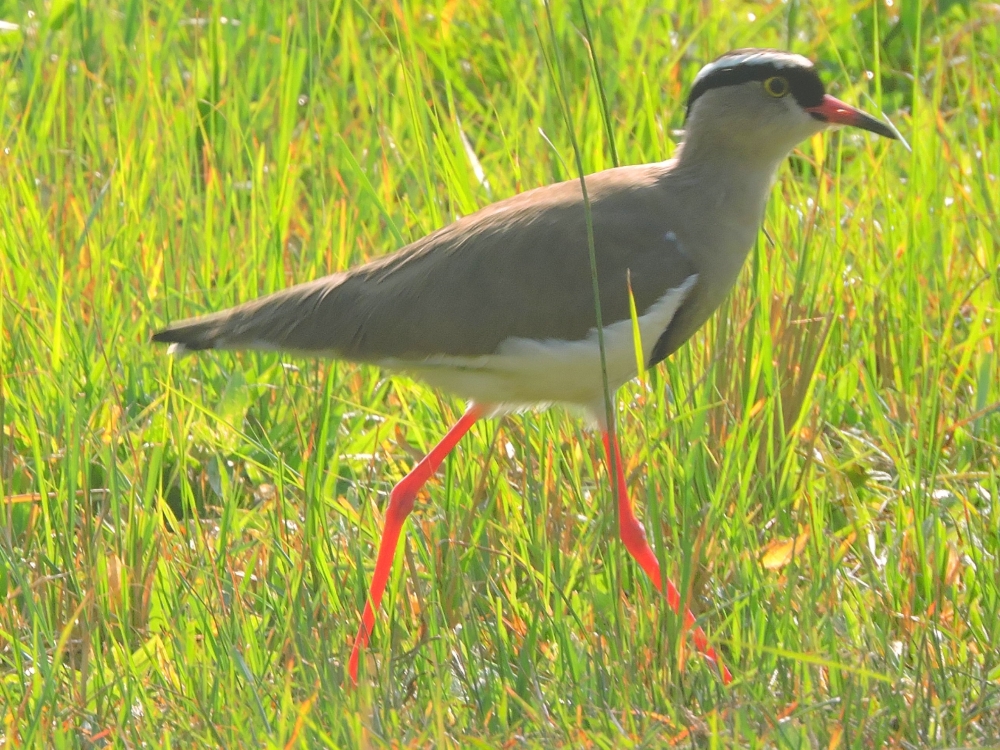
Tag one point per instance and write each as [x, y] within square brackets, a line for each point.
[760, 103]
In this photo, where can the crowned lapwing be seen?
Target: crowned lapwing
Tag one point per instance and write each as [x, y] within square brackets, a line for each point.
[499, 306]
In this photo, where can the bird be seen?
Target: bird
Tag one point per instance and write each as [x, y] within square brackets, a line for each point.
[498, 307]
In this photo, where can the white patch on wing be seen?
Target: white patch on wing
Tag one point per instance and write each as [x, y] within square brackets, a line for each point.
[529, 372]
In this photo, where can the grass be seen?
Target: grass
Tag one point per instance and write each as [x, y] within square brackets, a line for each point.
[185, 544]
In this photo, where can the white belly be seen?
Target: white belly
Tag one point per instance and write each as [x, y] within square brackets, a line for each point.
[529, 372]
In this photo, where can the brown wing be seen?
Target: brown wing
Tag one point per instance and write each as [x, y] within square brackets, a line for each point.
[517, 268]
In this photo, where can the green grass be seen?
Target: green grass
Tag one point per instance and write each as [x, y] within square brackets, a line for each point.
[185, 544]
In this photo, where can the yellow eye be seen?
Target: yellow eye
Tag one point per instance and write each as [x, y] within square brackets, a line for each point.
[776, 86]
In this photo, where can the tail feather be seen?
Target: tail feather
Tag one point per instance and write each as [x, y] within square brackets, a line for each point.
[192, 335]
[302, 318]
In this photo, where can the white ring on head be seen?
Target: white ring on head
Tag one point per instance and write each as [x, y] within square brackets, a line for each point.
[774, 58]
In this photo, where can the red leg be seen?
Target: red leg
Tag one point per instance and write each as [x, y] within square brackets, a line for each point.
[634, 537]
[400, 504]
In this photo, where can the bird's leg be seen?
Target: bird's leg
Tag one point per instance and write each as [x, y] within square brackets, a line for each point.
[400, 504]
[634, 537]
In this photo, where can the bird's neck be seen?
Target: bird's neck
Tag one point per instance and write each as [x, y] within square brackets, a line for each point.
[730, 187]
